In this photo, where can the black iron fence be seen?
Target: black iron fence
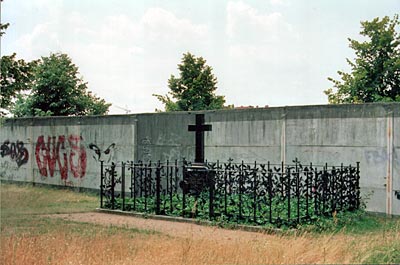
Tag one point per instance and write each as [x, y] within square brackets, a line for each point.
[255, 193]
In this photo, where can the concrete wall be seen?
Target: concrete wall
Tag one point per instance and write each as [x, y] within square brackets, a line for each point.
[64, 151]
[365, 133]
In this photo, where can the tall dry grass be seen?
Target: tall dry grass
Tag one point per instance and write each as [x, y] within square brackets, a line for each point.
[26, 199]
[29, 238]
[128, 248]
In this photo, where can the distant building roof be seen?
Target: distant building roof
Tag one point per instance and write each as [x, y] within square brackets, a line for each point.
[251, 107]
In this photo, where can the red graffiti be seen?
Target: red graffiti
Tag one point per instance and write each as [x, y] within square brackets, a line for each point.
[77, 156]
[58, 152]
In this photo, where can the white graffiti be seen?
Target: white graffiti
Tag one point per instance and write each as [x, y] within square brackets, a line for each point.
[380, 157]
[146, 150]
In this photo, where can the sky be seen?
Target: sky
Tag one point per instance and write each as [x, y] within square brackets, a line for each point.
[263, 52]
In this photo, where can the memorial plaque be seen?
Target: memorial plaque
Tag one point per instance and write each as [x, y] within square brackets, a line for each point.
[195, 179]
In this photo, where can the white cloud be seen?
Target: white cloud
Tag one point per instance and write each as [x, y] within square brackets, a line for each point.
[277, 2]
[54, 35]
[244, 21]
[260, 37]
[265, 47]
[119, 29]
[40, 42]
[116, 31]
[160, 24]
[135, 50]
[242, 51]
[53, 8]
[114, 41]
[120, 55]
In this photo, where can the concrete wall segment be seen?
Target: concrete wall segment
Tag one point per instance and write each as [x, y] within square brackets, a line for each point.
[318, 134]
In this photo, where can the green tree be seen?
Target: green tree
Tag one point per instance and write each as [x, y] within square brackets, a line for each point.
[16, 76]
[58, 91]
[3, 28]
[194, 89]
[375, 73]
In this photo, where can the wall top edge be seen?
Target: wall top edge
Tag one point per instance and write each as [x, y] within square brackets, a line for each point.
[290, 112]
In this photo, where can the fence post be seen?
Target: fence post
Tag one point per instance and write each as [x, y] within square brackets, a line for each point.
[255, 192]
[270, 191]
[123, 185]
[141, 185]
[288, 191]
[325, 186]
[316, 191]
[241, 189]
[112, 185]
[170, 186]
[332, 184]
[281, 180]
[358, 186]
[167, 193]
[298, 192]
[147, 180]
[210, 177]
[183, 189]
[308, 174]
[158, 188]
[101, 182]
[132, 179]
[226, 188]
[341, 187]
[134, 185]
[176, 176]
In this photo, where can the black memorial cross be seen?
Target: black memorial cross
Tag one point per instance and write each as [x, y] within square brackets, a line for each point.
[199, 128]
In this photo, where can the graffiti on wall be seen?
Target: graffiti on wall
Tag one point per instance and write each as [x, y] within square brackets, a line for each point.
[380, 156]
[62, 152]
[173, 141]
[169, 141]
[100, 155]
[16, 150]
[7, 170]
[146, 150]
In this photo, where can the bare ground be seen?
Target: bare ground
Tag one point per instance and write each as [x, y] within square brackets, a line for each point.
[175, 229]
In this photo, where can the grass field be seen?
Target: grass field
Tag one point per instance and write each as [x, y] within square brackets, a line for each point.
[28, 236]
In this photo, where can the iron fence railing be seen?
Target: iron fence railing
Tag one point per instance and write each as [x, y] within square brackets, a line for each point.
[258, 193]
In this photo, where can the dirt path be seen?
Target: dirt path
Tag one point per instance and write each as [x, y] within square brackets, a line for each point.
[176, 229]
[198, 244]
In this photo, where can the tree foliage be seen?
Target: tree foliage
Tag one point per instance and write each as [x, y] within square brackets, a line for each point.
[53, 86]
[58, 91]
[16, 76]
[3, 28]
[375, 72]
[194, 89]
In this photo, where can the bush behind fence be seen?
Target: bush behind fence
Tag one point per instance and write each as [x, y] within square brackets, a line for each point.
[257, 194]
